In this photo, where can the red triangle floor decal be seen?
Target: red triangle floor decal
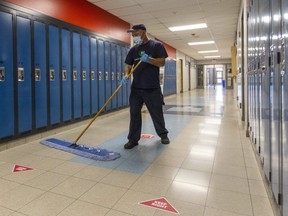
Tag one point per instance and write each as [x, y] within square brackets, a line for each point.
[160, 203]
[147, 136]
[18, 168]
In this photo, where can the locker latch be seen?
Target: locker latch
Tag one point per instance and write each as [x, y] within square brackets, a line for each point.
[100, 75]
[52, 74]
[106, 76]
[2, 74]
[84, 75]
[112, 76]
[64, 75]
[20, 74]
[74, 74]
[92, 75]
[37, 74]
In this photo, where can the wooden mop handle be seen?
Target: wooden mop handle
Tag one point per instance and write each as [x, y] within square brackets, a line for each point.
[109, 99]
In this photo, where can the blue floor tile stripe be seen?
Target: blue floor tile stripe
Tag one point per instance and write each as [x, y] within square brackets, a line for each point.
[138, 159]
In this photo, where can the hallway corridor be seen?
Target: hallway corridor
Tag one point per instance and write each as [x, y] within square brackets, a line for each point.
[208, 169]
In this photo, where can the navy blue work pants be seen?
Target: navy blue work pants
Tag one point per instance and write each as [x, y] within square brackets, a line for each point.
[153, 100]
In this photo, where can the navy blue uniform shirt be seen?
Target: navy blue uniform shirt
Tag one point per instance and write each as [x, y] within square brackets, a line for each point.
[146, 76]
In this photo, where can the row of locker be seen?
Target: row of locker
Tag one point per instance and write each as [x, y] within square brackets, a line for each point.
[267, 89]
[50, 75]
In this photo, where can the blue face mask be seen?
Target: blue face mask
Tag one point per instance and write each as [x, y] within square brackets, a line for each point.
[137, 40]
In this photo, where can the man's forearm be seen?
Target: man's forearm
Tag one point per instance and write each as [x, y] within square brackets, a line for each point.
[159, 62]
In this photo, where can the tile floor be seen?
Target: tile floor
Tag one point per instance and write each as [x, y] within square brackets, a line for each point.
[209, 169]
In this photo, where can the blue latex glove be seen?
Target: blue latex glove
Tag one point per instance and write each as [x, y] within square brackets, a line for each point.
[144, 58]
[124, 81]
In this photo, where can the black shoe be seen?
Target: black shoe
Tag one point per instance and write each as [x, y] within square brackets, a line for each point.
[130, 145]
[165, 140]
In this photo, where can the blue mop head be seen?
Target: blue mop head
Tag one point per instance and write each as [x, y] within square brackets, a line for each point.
[81, 149]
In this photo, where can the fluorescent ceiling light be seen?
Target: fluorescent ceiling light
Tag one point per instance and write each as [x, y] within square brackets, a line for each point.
[188, 27]
[201, 43]
[208, 51]
[212, 56]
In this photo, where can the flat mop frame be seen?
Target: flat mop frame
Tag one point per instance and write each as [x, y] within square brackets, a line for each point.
[74, 144]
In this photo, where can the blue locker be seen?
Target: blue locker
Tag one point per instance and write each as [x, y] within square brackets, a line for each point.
[275, 102]
[113, 75]
[107, 47]
[101, 78]
[284, 121]
[94, 75]
[66, 76]
[40, 74]
[24, 75]
[6, 76]
[85, 76]
[77, 105]
[125, 87]
[265, 141]
[119, 75]
[54, 76]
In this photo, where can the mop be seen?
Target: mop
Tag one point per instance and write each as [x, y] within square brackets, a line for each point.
[86, 150]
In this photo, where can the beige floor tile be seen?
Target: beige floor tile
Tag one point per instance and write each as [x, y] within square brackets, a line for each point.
[257, 188]
[261, 206]
[19, 196]
[6, 186]
[152, 185]
[187, 192]
[5, 211]
[11, 156]
[17, 214]
[217, 212]
[129, 204]
[203, 156]
[229, 170]
[193, 177]
[116, 213]
[92, 173]
[24, 176]
[80, 208]
[229, 201]
[103, 195]
[183, 208]
[120, 179]
[162, 171]
[229, 183]
[47, 163]
[198, 165]
[49, 204]
[73, 187]
[68, 168]
[47, 180]
[254, 174]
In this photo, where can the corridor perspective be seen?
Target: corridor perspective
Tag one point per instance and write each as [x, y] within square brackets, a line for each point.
[208, 169]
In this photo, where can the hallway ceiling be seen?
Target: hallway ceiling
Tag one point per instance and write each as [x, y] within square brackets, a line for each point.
[221, 17]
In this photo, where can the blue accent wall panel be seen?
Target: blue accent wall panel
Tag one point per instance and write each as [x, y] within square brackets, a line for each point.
[113, 75]
[54, 71]
[76, 76]
[119, 75]
[7, 77]
[101, 73]
[107, 47]
[66, 76]
[24, 74]
[94, 75]
[85, 75]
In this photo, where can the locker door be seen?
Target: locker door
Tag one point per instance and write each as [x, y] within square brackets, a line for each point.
[107, 46]
[6, 76]
[54, 75]
[125, 87]
[85, 75]
[285, 110]
[40, 74]
[101, 75]
[76, 77]
[119, 75]
[66, 76]
[113, 75]
[265, 143]
[275, 95]
[94, 76]
[24, 74]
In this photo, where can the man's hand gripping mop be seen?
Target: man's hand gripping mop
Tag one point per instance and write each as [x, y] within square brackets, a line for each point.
[85, 150]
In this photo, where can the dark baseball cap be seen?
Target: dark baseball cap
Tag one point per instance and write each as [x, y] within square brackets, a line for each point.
[137, 27]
